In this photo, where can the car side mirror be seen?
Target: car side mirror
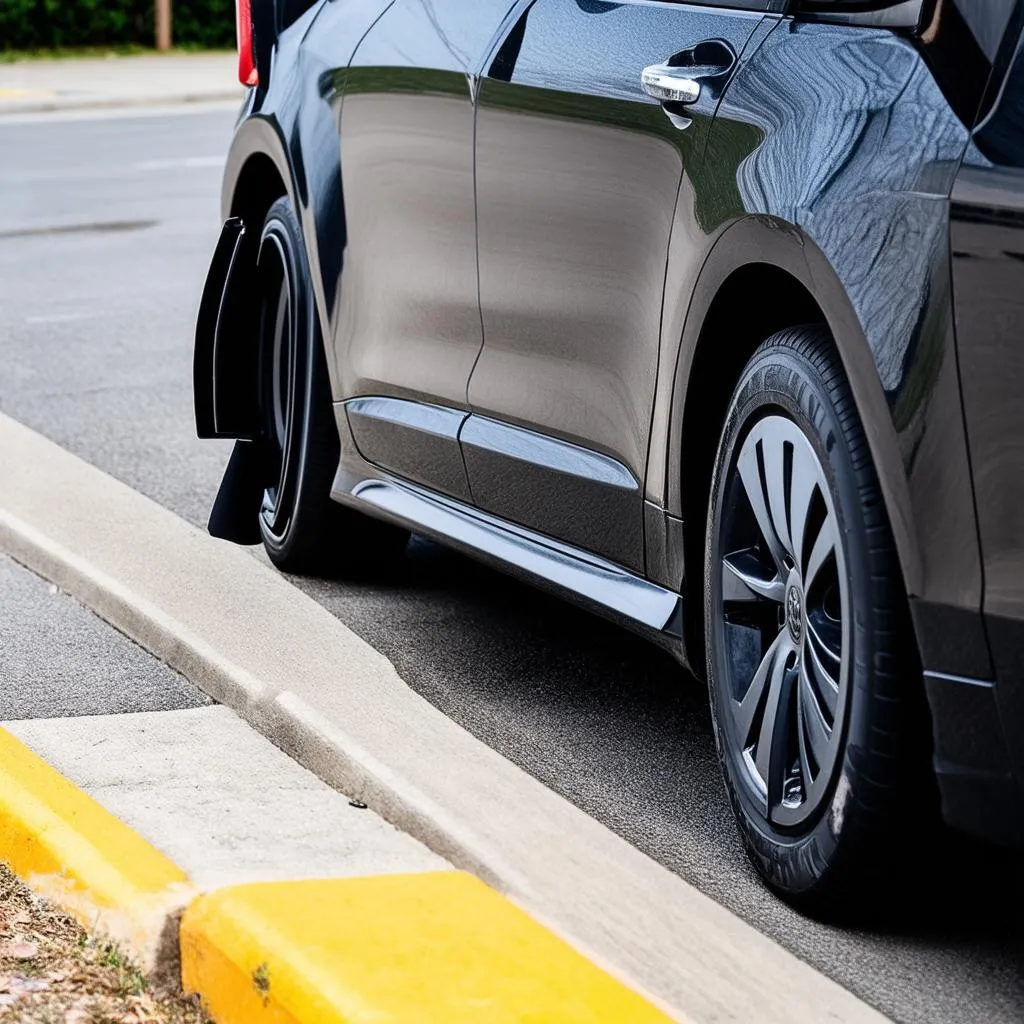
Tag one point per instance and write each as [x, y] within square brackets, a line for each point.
[897, 14]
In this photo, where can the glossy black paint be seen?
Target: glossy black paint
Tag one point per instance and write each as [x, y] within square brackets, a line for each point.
[988, 269]
[973, 765]
[600, 585]
[212, 325]
[556, 487]
[577, 173]
[416, 440]
[551, 276]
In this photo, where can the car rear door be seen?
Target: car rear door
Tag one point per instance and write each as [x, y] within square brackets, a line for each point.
[409, 324]
[577, 172]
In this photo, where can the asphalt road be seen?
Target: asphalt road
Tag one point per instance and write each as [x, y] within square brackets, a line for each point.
[106, 226]
[57, 659]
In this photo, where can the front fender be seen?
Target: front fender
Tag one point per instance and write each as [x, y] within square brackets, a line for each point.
[770, 241]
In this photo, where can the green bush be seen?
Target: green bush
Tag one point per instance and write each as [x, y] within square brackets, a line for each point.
[53, 24]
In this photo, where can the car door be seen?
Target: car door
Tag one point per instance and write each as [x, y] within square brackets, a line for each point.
[409, 325]
[577, 173]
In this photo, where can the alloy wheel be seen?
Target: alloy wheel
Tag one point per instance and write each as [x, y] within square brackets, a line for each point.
[784, 621]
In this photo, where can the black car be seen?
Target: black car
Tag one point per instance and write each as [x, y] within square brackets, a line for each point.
[706, 315]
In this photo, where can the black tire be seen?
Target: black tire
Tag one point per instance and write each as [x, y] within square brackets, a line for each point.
[824, 814]
[303, 530]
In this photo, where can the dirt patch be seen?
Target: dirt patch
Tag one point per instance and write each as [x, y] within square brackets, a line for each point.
[54, 972]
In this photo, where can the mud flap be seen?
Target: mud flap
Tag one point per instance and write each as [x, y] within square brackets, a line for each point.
[235, 514]
[224, 365]
[224, 383]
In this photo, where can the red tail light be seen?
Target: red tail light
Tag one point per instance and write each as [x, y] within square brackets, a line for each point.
[247, 73]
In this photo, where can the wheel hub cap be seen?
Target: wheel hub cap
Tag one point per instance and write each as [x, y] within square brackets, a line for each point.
[782, 637]
[795, 614]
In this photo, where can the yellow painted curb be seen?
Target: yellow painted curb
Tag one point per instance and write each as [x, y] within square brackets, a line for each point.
[432, 948]
[72, 850]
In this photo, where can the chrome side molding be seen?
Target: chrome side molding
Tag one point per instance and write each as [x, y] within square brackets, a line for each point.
[608, 588]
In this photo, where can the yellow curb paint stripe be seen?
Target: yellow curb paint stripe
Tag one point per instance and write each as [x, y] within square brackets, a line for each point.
[60, 840]
[431, 948]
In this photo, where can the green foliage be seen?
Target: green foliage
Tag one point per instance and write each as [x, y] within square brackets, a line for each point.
[54, 24]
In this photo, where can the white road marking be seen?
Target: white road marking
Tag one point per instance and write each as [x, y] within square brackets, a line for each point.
[181, 162]
[62, 318]
[253, 641]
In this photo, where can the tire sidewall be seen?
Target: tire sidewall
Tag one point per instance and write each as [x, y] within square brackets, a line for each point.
[282, 228]
[778, 379]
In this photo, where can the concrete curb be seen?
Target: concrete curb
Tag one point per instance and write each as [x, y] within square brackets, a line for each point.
[71, 850]
[429, 947]
[300, 677]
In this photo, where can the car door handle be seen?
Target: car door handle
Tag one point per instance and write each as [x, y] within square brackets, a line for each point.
[680, 78]
[670, 84]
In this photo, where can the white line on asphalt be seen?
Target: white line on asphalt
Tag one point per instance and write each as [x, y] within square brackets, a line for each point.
[174, 164]
[300, 676]
[62, 318]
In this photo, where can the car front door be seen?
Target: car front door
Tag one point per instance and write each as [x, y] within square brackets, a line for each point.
[578, 168]
[409, 324]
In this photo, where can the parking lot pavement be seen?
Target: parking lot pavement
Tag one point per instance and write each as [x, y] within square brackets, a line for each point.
[95, 336]
[57, 659]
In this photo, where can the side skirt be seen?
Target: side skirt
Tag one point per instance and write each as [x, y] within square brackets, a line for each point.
[602, 586]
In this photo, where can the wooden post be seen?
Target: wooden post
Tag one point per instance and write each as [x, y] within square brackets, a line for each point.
[163, 24]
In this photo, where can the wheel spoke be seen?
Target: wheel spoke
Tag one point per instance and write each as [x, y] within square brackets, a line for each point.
[744, 579]
[805, 762]
[745, 710]
[823, 547]
[750, 475]
[773, 454]
[828, 686]
[771, 740]
[825, 649]
[803, 483]
[815, 728]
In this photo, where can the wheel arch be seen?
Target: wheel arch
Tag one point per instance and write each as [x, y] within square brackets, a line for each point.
[257, 172]
[763, 275]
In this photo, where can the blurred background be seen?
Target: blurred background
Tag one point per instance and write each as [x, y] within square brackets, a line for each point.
[123, 25]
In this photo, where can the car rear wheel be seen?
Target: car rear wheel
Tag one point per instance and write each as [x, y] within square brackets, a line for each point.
[303, 530]
[810, 661]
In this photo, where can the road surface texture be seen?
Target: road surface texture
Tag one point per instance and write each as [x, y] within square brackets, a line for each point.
[57, 659]
[106, 227]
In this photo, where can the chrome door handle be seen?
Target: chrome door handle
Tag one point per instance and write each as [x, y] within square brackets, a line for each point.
[670, 84]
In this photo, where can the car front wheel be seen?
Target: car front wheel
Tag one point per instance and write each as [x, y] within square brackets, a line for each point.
[810, 661]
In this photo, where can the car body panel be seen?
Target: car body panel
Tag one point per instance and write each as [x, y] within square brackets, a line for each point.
[603, 587]
[577, 173]
[417, 440]
[409, 321]
[988, 270]
[864, 227]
